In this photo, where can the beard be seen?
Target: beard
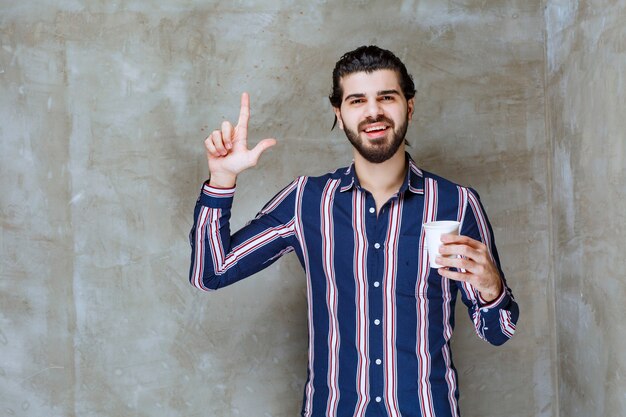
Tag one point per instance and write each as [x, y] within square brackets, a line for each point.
[378, 150]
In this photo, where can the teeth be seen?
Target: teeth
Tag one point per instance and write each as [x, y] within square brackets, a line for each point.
[373, 129]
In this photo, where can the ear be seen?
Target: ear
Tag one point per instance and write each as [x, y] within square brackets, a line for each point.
[410, 108]
[337, 111]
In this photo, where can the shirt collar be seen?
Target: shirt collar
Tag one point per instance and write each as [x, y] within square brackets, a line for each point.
[414, 181]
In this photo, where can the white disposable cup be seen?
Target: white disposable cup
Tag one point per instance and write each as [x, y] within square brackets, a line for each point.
[434, 230]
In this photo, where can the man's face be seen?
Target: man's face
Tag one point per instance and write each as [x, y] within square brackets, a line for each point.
[374, 113]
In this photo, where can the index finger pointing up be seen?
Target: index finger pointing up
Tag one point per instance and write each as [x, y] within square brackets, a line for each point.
[244, 113]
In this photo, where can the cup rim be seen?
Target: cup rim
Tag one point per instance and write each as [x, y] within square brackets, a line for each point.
[441, 224]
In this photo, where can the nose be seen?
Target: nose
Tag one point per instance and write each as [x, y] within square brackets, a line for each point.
[374, 109]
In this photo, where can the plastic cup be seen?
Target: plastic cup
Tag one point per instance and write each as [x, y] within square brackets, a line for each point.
[434, 230]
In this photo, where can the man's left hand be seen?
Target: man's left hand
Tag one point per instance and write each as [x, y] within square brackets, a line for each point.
[475, 260]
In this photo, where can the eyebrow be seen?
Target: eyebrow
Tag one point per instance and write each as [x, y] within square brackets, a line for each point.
[378, 93]
[388, 92]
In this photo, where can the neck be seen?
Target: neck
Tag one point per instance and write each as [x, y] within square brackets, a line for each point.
[386, 177]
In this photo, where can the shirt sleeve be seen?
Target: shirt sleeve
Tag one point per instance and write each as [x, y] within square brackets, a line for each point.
[493, 321]
[218, 258]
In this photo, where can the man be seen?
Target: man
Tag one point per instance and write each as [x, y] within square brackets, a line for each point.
[380, 320]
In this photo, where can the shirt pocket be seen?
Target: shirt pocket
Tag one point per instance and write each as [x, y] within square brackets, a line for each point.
[410, 255]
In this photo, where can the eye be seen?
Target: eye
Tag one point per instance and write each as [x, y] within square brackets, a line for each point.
[356, 101]
[387, 98]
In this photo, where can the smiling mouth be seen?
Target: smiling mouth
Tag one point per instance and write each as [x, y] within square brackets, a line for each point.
[372, 129]
[376, 131]
[376, 127]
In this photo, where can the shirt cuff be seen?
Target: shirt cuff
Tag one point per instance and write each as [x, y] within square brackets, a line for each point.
[501, 300]
[216, 197]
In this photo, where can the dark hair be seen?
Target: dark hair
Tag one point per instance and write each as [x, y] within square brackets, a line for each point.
[368, 59]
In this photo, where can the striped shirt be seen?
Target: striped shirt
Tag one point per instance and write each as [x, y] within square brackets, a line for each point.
[380, 319]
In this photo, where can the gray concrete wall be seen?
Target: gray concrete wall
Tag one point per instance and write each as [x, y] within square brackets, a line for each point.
[103, 109]
[586, 96]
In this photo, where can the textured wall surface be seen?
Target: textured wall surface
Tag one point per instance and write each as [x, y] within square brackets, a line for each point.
[103, 109]
[586, 96]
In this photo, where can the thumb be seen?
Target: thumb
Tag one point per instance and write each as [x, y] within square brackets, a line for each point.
[261, 147]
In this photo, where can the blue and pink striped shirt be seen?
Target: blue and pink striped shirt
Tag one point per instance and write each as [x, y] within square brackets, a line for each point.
[380, 319]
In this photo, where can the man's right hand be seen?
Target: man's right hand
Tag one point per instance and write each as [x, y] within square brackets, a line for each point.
[227, 149]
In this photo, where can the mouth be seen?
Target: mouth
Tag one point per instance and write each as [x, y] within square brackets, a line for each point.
[375, 130]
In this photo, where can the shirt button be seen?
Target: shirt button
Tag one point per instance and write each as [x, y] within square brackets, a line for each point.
[377, 322]
[378, 361]
[486, 310]
[376, 284]
[378, 399]
[377, 245]
[372, 210]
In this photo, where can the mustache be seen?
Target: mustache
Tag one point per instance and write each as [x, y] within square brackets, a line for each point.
[378, 119]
